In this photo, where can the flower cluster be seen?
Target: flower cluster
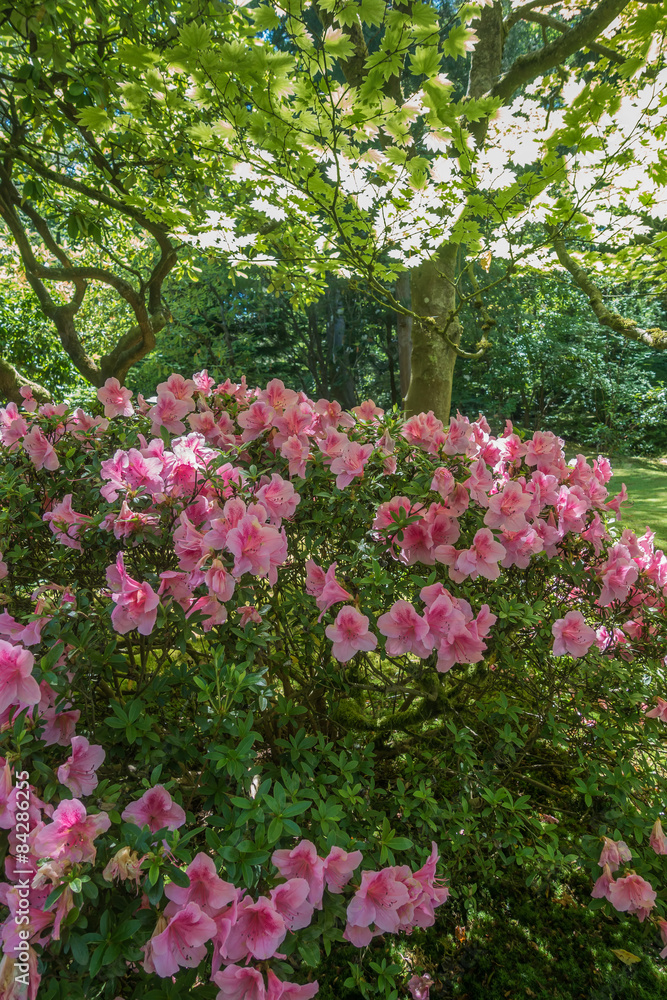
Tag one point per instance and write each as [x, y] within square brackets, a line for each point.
[179, 534]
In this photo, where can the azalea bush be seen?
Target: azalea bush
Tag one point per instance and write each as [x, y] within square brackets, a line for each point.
[281, 685]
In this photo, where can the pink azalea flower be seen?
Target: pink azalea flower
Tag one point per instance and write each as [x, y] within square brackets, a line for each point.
[351, 463]
[507, 508]
[331, 592]
[78, 771]
[291, 901]
[18, 688]
[65, 523]
[377, 901]
[303, 862]
[406, 631]
[332, 416]
[258, 931]
[168, 412]
[280, 990]
[255, 547]
[279, 497]
[443, 482]
[657, 840]
[156, 810]
[4, 570]
[238, 982]
[618, 573]
[116, 399]
[59, 726]
[136, 607]
[419, 987]
[294, 421]
[367, 411]
[249, 613]
[632, 894]
[219, 582]
[71, 833]
[425, 431]
[182, 944]
[339, 866]
[614, 853]
[660, 710]
[572, 636]
[42, 454]
[315, 578]
[350, 634]
[29, 402]
[297, 451]
[206, 889]
[257, 419]
[182, 388]
[481, 559]
[203, 382]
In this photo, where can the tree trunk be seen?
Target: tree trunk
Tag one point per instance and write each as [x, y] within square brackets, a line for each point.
[404, 333]
[11, 381]
[433, 360]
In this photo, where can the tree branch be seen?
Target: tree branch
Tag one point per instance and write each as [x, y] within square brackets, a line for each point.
[654, 337]
[552, 22]
[11, 381]
[532, 64]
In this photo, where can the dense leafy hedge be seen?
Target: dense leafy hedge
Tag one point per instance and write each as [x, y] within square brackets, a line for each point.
[258, 653]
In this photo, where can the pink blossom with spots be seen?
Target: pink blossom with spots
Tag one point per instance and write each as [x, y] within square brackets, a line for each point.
[256, 420]
[258, 931]
[13, 426]
[291, 901]
[406, 631]
[425, 431]
[339, 866]
[280, 990]
[296, 450]
[331, 592]
[257, 548]
[350, 634]
[78, 771]
[41, 452]
[18, 688]
[136, 607]
[572, 636]
[377, 901]
[481, 559]
[279, 498]
[116, 398]
[182, 944]
[303, 861]
[211, 893]
[71, 833]
[351, 463]
[155, 809]
[238, 982]
[632, 894]
[368, 411]
[507, 509]
[168, 412]
[66, 524]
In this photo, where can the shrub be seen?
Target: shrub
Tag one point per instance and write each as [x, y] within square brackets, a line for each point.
[259, 653]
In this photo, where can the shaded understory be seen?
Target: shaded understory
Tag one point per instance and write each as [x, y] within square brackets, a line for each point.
[546, 945]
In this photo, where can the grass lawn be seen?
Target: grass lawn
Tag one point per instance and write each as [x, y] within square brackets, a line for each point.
[646, 480]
